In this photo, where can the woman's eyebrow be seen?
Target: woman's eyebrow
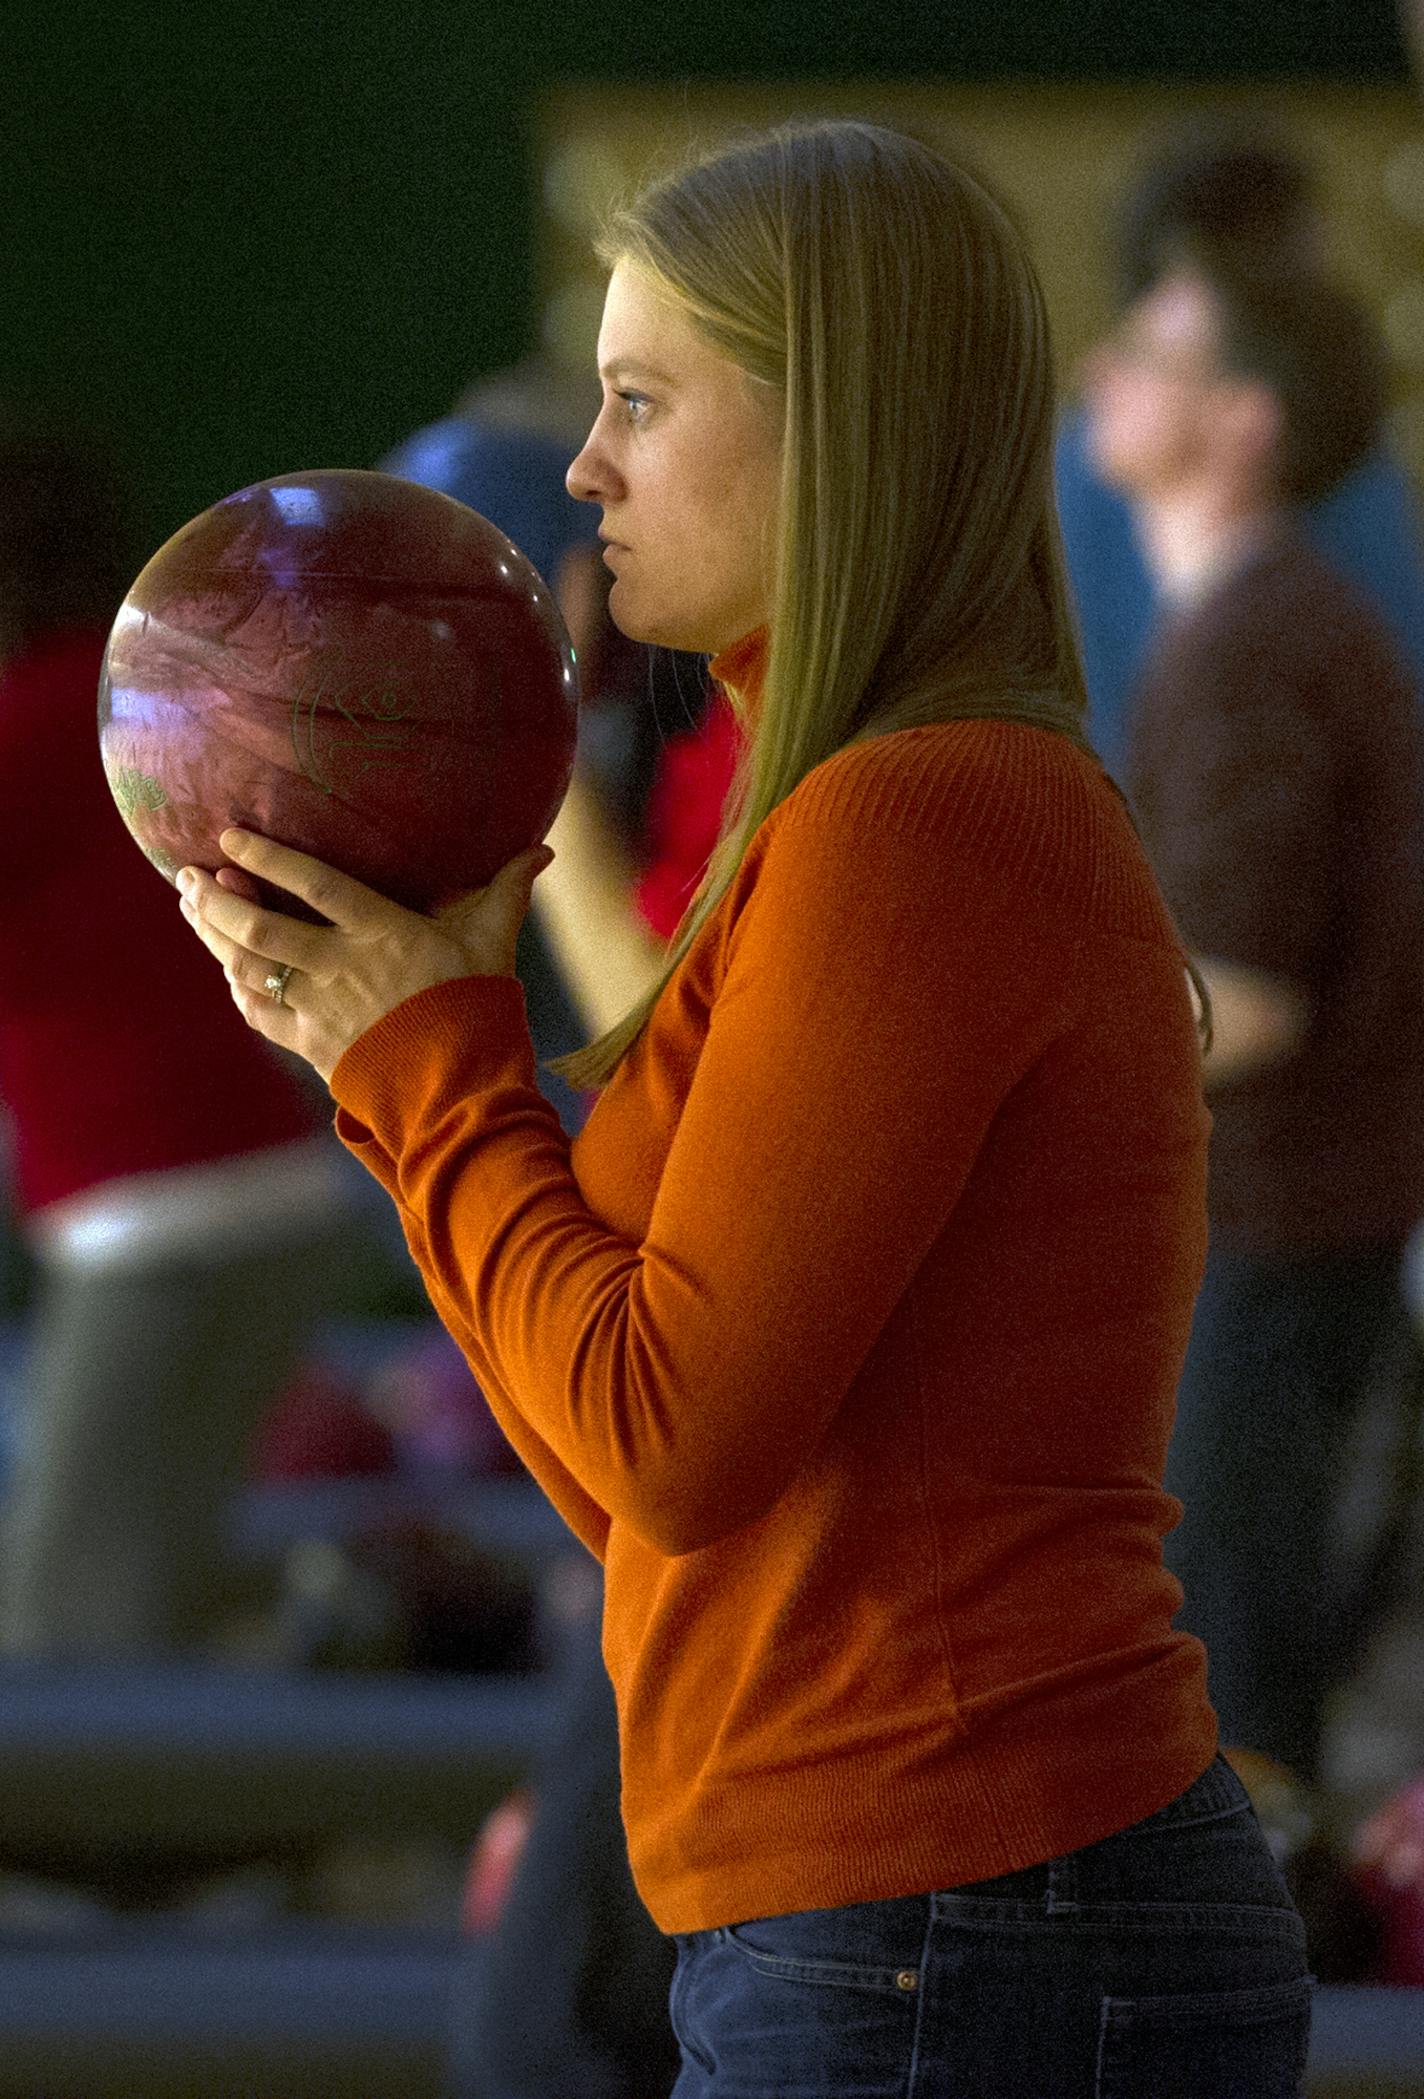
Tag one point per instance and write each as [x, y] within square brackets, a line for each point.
[622, 368]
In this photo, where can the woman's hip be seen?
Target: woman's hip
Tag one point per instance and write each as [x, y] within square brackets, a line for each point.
[1164, 1961]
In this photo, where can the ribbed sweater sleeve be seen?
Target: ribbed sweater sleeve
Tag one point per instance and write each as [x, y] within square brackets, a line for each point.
[890, 963]
[449, 1075]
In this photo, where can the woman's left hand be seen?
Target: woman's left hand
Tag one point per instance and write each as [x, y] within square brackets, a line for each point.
[314, 989]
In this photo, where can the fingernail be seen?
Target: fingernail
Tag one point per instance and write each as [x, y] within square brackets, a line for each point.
[184, 879]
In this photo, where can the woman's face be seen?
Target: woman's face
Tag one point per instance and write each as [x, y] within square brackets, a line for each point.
[685, 459]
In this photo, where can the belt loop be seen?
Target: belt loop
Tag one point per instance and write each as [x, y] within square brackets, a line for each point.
[1061, 1894]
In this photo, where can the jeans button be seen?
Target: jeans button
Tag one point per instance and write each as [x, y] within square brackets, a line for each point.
[907, 1979]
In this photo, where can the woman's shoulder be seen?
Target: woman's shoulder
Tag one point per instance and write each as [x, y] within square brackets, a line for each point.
[987, 774]
[981, 806]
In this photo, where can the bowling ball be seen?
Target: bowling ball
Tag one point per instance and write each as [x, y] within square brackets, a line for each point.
[352, 665]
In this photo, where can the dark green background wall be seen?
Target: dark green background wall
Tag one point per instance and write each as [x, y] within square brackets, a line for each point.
[250, 240]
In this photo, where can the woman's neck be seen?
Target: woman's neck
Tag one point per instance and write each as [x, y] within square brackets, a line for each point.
[741, 669]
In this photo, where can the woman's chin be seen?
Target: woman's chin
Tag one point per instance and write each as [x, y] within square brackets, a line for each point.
[640, 623]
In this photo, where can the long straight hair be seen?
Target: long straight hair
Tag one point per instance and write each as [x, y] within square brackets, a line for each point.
[917, 574]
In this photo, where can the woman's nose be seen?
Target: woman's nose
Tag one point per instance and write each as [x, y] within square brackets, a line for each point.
[591, 478]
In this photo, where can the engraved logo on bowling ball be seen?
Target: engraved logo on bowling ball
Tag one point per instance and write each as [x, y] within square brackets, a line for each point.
[342, 729]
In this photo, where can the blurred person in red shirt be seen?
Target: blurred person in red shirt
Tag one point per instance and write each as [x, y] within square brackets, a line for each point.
[171, 1175]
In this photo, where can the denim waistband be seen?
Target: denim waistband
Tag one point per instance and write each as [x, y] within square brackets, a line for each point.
[1217, 1792]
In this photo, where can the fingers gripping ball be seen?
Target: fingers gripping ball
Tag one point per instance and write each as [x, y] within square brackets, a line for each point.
[356, 666]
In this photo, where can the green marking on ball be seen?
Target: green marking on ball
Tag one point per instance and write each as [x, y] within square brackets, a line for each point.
[133, 791]
[375, 733]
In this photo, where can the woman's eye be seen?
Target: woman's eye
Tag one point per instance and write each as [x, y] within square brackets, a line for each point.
[635, 404]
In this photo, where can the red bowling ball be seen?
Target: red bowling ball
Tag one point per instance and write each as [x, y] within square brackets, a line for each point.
[350, 664]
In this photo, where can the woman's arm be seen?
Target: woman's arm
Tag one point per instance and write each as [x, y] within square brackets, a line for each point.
[885, 987]
[1257, 1021]
[605, 953]
[584, 901]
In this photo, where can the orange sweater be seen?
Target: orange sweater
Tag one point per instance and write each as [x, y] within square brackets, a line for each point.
[847, 1331]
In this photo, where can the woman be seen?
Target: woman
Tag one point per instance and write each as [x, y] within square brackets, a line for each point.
[847, 1333]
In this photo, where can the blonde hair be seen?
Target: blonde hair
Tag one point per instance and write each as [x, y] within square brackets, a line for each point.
[918, 575]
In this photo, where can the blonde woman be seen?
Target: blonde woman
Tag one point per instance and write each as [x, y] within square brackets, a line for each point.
[847, 1331]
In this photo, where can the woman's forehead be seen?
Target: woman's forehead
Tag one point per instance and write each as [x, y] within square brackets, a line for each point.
[646, 333]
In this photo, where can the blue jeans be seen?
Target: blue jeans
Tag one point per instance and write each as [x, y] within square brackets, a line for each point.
[1166, 1962]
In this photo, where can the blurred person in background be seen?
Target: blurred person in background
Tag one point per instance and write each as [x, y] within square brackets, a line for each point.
[174, 1185]
[1274, 762]
[621, 890]
[503, 449]
[1234, 187]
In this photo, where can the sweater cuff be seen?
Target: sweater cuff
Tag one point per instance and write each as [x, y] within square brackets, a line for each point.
[446, 1043]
